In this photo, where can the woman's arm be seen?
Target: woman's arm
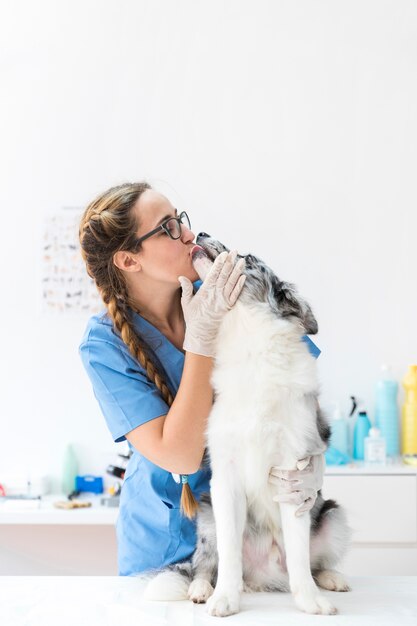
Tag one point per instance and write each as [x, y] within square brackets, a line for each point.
[176, 441]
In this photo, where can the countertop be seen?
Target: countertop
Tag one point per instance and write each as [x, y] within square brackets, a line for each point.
[393, 465]
[43, 511]
[116, 601]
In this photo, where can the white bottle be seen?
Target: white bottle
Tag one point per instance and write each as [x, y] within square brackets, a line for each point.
[375, 447]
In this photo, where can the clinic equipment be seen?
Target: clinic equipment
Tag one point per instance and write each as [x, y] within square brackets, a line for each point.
[339, 439]
[92, 484]
[360, 431]
[409, 417]
[69, 470]
[386, 410]
[375, 447]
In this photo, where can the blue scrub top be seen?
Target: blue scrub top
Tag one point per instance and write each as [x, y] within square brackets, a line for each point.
[151, 530]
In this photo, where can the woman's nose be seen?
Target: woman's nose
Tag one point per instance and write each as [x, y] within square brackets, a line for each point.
[186, 233]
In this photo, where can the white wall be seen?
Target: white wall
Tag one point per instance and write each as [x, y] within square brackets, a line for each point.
[286, 129]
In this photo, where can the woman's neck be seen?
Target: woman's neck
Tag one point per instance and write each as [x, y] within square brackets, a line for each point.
[161, 307]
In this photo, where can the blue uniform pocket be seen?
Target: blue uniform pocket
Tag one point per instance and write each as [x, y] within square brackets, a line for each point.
[172, 492]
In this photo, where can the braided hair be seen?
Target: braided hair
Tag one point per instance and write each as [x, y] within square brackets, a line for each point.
[108, 225]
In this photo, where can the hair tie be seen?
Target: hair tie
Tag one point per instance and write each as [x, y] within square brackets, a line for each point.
[184, 479]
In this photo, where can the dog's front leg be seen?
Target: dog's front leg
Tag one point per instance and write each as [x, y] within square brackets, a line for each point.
[296, 531]
[229, 508]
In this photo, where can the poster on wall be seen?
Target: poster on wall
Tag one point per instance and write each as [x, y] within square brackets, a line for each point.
[66, 286]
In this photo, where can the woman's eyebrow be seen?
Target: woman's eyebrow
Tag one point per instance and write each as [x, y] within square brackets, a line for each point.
[166, 217]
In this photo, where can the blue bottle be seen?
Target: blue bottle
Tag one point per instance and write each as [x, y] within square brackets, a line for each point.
[360, 431]
[386, 411]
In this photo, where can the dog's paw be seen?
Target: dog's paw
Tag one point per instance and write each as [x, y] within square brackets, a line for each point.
[247, 588]
[309, 600]
[332, 580]
[199, 590]
[222, 603]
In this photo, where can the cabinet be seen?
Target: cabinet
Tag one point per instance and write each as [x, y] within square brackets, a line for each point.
[380, 502]
[381, 506]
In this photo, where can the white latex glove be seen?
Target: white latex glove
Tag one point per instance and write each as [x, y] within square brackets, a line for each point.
[299, 486]
[203, 312]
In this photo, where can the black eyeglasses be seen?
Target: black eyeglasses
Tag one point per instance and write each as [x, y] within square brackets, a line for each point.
[171, 226]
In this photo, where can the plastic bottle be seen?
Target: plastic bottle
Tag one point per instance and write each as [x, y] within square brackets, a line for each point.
[69, 470]
[339, 431]
[351, 423]
[409, 417]
[375, 447]
[360, 431]
[386, 411]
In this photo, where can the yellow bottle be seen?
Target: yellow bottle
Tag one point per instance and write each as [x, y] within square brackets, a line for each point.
[409, 417]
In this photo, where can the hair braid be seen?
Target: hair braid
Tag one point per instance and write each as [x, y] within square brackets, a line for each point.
[120, 315]
[108, 225]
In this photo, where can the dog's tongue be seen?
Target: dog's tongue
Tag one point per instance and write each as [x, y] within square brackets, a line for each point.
[201, 262]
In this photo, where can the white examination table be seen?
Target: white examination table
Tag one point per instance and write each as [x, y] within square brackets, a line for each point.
[116, 601]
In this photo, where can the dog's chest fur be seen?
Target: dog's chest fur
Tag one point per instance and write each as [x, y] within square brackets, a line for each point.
[264, 413]
[266, 387]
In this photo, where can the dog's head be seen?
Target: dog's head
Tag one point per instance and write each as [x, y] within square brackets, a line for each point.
[262, 285]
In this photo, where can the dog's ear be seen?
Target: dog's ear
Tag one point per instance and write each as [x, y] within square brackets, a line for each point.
[289, 302]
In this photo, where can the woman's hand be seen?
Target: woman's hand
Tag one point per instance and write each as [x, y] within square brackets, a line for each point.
[299, 486]
[204, 311]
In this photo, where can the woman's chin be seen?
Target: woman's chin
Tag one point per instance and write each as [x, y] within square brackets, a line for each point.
[195, 275]
[191, 274]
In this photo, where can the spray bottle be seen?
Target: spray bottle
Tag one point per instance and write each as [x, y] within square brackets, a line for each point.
[338, 451]
[360, 431]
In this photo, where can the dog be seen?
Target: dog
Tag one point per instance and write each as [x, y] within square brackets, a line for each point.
[265, 413]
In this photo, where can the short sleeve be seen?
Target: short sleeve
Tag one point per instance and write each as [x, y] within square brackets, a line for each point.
[126, 396]
[314, 350]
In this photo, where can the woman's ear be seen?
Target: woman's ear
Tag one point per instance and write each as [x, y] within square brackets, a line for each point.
[126, 261]
[289, 302]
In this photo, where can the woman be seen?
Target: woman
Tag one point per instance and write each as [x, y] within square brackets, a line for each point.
[150, 371]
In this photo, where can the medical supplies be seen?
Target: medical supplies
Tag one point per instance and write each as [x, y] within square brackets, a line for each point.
[360, 431]
[72, 504]
[69, 470]
[110, 501]
[375, 447]
[92, 484]
[339, 439]
[386, 410]
[409, 417]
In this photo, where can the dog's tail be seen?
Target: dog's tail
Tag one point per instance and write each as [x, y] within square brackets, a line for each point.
[170, 584]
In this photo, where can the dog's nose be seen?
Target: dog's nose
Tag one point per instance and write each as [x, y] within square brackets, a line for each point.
[202, 235]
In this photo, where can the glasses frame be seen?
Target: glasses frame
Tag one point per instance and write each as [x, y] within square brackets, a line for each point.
[164, 228]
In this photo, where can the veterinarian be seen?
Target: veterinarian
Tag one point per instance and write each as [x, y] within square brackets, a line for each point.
[150, 371]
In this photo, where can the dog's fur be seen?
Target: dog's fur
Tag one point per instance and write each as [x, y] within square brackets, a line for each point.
[265, 413]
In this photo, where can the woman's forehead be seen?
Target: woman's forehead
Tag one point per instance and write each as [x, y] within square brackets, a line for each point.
[152, 207]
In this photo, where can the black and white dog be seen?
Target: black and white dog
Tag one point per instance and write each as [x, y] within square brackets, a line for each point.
[265, 413]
